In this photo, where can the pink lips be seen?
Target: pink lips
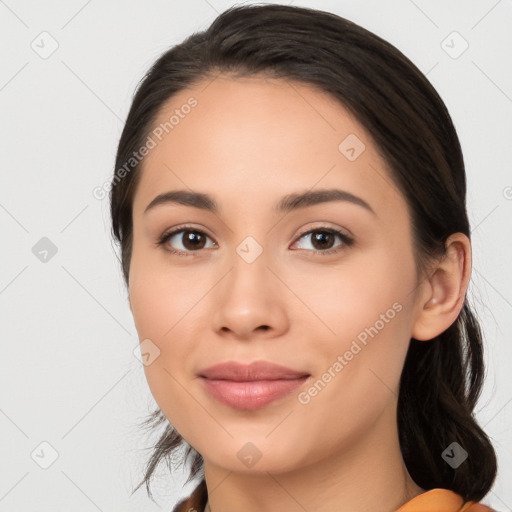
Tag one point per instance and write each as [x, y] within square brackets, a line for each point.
[250, 386]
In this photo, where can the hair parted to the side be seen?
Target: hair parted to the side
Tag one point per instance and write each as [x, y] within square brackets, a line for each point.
[412, 130]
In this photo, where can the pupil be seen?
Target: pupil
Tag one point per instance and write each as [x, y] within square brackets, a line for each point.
[321, 236]
[193, 239]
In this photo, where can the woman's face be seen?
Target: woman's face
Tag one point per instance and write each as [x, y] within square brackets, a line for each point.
[255, 282]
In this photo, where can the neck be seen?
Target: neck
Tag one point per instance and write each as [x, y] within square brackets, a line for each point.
[363, 477]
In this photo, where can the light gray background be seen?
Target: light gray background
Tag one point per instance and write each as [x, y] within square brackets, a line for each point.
[69, 375]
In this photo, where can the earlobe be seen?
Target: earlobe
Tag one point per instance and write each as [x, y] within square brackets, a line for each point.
[443, 293]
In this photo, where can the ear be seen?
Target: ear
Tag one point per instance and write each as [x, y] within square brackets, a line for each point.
[442, 295]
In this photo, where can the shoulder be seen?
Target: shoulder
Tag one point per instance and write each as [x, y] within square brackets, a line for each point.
[442, 500]
[476, 507]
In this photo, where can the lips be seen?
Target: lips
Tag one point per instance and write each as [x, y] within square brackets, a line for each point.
[258, 370]
[250, 386]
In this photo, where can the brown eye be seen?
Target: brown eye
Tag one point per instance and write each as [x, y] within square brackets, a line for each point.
[193, 240]
[182, 241]
[323, 240]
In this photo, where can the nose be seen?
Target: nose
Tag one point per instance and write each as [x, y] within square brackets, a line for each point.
[250, 301]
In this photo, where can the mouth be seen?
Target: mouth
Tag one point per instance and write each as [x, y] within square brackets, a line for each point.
[250, 386]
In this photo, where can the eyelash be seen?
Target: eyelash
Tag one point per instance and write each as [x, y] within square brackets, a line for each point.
[347, 241]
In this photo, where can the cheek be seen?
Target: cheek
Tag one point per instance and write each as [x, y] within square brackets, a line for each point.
[361, 341]
[167, 312]
[162, 318]
[160, 295]
[362, 312]
[365, 290]
[168, 315]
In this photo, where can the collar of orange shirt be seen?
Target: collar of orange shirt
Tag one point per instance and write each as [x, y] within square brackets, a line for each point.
[435, 500]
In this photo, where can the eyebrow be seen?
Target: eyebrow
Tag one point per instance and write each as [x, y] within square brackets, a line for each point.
[286, 204]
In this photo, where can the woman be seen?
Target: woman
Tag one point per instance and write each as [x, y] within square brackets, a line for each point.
[289, 198]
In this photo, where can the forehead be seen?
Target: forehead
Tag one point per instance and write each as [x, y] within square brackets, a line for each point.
[260, 137]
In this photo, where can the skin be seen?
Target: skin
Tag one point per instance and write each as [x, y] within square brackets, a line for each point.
[247, 143]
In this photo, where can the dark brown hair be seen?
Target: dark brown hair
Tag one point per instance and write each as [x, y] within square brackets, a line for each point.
[412, 130]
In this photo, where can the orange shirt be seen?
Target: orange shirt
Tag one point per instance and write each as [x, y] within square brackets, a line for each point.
[435, 500]
[442, 500]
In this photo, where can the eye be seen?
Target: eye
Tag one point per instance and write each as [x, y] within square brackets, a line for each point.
[323, 239]
[190, 239]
